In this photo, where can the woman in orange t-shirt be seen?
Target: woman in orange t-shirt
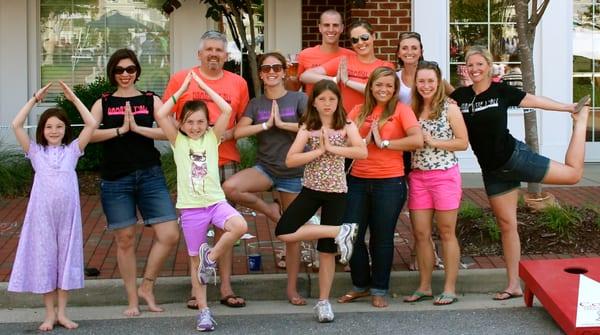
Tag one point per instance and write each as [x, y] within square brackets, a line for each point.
[376, 185]
[351, 71]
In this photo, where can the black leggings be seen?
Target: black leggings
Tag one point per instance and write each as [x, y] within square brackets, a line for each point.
[306, 204]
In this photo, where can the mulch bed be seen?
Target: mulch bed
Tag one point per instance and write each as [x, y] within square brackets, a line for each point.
[536, 236]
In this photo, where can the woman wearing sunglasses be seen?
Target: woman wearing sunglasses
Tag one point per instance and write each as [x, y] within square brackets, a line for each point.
[376, 185]
[132, 178]
[506, 162]
[273, 118]
[351, 72]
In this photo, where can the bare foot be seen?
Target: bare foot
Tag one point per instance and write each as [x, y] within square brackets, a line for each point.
[48, 324]
[66, 322]
[296, 300]
[132, 311]
[581, 116]
[149, 297]
[275, 212]
[379, 301]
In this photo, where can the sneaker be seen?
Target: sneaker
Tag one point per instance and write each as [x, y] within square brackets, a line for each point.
[324, 311]
[345, 241]
[207, 268]
[204, 321]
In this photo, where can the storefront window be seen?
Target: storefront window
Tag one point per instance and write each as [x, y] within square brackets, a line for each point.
[490, 23]
[586, 59]
[78, 37]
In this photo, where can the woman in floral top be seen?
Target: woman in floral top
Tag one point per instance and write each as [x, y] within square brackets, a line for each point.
[434, 183]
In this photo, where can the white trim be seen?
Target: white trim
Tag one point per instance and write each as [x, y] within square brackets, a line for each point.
[284, 31]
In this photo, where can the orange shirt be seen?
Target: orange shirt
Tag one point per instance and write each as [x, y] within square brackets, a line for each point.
[313, 57]
[383, 163]
[231, 87]
[357, 71]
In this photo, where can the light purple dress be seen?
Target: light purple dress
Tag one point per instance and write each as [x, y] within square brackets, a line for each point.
[50, 251]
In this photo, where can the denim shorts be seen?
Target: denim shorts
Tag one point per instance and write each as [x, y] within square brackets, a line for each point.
[144, 189]
[524, 165]
[288, 185]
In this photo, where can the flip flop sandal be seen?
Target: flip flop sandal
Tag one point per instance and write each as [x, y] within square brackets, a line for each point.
[297, 301]
[225, 301]
[581, 103]
[351, 296]
[192, 303]
[445, 299]
[508, 295]
[420, 297]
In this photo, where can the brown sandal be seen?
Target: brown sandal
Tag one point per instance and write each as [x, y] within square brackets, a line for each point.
[351, 296]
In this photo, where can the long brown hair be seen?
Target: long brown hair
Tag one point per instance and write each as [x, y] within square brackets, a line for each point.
[311, 116]
[439, 97]
[371, 103]
[60, 114]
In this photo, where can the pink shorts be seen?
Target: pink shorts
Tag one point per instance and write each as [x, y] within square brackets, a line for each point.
[195, 221]
[435, 189]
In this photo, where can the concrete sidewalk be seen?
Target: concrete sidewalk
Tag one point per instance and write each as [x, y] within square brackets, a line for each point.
[110, 292]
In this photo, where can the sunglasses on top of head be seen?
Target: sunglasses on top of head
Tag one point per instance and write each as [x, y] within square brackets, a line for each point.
[363, 37]
[267, 68]
[410, 34]
[131, 69]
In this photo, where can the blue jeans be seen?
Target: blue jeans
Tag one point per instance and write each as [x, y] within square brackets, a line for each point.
[374, 204]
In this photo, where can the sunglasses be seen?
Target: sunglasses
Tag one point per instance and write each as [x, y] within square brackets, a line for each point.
[363, 37]
[131, 69]
[409, 34]
[423, 63]
[267, 68]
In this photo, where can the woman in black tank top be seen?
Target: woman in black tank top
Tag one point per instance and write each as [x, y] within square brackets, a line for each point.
[132, 179]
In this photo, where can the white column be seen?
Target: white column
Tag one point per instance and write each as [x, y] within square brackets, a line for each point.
[553, 53]
[283, 26]
[188, 23]
[15, 55]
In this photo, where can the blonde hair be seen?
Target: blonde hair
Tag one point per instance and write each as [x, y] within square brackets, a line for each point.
[370, 102]
[483, 52]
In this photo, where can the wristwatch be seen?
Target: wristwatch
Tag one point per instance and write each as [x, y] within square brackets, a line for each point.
[385, 144]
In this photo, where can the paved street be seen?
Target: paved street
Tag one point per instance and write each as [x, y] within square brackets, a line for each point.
[473, 314]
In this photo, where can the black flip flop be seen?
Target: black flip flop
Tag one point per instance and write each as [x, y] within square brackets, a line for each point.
[509, 295]
[190, 304]
[225, 301]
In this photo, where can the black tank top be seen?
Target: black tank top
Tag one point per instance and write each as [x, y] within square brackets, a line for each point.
[130, 152]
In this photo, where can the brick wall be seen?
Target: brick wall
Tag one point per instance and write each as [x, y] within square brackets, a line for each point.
[388, 17]
[311, 11]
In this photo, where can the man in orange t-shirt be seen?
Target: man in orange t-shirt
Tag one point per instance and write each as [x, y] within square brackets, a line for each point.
[330, 27]
[212, 54]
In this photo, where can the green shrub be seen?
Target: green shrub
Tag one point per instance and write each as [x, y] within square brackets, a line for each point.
[88, 94]
[469, 211]
[491, 227]
[170, 170]
[247, 147]
[15, 171]
[559, 219]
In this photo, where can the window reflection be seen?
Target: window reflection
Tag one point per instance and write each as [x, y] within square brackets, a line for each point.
[490, 23]
[78, 37]
[586, 60]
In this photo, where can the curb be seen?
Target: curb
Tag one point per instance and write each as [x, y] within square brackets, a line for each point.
[108, 292]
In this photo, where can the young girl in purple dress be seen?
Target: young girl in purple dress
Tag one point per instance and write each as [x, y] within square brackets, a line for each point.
[49, 257]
